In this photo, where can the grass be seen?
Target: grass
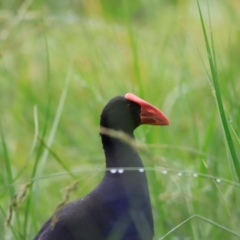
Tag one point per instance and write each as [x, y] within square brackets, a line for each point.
[215, 79]
[60, 64]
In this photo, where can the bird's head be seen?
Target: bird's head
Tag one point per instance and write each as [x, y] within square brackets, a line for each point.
[127, 112]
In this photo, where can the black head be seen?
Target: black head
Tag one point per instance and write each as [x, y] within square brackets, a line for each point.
[121, 114]
[127, 112]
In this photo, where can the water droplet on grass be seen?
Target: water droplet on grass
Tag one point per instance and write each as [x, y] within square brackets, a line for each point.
[113, 170]
[141, 170]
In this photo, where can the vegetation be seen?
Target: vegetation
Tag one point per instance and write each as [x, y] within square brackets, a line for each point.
[61, 61]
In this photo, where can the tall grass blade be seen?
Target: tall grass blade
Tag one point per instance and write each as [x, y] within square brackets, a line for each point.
[215, 79]
[55, 124]
[6, 158]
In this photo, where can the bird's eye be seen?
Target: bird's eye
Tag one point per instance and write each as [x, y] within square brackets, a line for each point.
[129, 105]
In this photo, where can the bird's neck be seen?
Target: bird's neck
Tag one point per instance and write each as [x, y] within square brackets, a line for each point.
[120, 154]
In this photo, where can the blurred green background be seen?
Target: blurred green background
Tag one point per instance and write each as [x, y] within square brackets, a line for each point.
[61, 61]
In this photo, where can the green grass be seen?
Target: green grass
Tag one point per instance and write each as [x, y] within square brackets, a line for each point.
[61, 62]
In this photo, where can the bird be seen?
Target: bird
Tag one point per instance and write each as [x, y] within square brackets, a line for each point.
[119, 207]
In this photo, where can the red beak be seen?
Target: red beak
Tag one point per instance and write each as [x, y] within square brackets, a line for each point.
[149, 113]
